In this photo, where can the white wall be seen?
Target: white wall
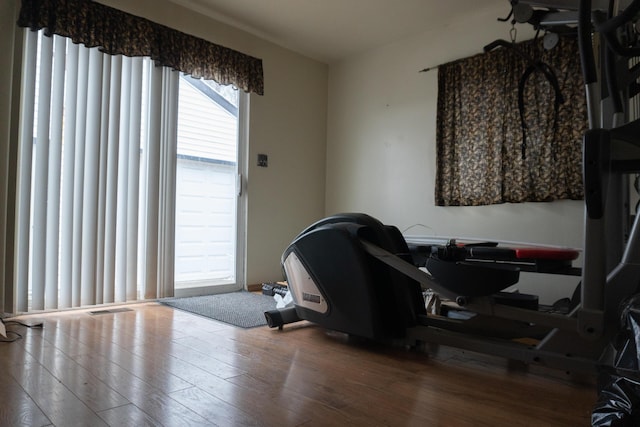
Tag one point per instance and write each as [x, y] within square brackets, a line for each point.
[381, 142]
[8, 12]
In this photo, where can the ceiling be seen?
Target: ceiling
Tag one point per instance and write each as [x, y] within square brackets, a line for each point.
[329, 30]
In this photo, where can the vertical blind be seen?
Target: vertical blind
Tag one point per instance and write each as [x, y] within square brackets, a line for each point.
[96, 185]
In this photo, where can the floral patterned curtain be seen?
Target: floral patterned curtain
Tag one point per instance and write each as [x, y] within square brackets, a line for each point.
[119, 33]
[486, 152]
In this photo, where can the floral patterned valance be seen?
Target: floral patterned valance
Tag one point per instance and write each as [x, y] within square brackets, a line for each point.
[119, 33]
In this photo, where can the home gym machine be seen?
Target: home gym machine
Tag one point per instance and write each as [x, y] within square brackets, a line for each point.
[351, 273]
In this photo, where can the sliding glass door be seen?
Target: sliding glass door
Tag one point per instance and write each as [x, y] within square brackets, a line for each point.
[107, 212]
[209, 225]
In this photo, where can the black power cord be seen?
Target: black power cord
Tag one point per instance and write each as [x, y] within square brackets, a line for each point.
[16, 335]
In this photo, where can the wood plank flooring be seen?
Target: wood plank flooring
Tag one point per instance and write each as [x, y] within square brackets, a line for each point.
[153, 366]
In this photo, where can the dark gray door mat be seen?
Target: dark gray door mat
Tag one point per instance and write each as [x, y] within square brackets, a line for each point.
[243, 309]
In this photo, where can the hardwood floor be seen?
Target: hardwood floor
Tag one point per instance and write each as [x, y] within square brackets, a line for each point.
[153, 365]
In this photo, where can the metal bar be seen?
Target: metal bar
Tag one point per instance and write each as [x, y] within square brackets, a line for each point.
[482, 305]
[500, 348]
[486, 306]
[551, 19]
[426, 280]
[564, 4]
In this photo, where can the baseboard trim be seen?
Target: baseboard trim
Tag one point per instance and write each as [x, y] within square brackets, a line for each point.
[255, 288]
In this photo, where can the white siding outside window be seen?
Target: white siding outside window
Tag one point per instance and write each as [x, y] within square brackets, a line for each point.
[206, 191]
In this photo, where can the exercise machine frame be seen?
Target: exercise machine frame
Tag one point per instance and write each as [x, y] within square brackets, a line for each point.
[611, 255]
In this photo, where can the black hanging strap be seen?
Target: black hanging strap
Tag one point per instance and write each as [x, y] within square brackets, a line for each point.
[559, 99]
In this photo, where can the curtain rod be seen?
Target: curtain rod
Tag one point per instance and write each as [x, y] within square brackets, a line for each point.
[490, 47]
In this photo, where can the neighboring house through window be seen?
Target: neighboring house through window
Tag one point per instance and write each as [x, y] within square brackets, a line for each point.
[206, 183]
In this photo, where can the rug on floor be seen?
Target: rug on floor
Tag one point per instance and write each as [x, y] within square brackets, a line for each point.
[243, 309]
